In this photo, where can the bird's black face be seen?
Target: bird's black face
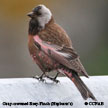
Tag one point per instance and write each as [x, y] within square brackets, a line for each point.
[40, 16]
[35, 12]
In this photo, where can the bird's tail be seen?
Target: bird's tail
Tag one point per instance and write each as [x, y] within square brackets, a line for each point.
[84, 90]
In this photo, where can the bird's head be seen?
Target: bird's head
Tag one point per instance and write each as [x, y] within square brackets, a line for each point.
[42, 14]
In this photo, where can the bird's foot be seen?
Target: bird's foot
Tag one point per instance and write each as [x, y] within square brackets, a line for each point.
[53, 79]
[40, 78]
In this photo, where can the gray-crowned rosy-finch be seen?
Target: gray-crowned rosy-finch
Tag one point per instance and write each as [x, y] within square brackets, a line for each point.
[51, 49]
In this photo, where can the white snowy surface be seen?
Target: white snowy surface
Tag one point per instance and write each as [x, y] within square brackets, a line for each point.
[30, 90]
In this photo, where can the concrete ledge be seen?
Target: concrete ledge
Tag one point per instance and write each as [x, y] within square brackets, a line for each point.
[31, 90]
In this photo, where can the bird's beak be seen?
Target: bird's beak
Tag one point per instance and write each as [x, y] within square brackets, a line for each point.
[30, 14]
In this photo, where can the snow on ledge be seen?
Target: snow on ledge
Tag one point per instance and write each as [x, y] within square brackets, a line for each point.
[31, 90]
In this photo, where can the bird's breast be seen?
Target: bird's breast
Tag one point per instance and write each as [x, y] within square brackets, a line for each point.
[41, 59]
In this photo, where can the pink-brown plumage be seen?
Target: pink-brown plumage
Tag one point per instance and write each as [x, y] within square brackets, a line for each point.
[51, 49]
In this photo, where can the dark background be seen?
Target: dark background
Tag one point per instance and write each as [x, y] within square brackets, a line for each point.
[85, 21]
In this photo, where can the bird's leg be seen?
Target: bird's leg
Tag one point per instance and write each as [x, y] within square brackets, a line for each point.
[40, 78]
[54, 79]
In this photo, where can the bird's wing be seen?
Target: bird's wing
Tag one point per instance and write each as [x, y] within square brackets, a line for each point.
[64, 55]
[72, 59]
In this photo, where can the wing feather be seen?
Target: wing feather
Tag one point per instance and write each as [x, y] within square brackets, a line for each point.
[64, 55]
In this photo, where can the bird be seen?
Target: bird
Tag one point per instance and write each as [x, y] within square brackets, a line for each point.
[51, 49]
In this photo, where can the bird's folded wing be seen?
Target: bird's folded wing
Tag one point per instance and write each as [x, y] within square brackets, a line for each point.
[69, 58]
[64, 55]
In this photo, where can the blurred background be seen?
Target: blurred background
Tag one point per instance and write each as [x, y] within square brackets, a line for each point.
[85, 21]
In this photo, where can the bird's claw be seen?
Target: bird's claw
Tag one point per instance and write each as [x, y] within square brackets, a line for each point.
[39, 78]
[56, 81]
[53, 79]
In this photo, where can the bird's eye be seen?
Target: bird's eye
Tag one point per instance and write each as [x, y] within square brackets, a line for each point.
[37, 10]
[38, 13]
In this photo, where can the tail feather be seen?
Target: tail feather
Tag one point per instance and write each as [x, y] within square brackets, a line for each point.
[84, 90]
